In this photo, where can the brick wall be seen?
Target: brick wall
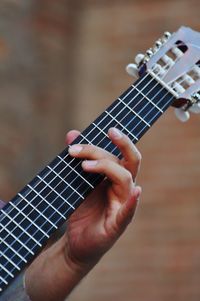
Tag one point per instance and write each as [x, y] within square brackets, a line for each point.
[62, 63]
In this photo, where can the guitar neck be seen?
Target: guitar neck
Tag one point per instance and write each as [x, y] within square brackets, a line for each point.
[52, 196]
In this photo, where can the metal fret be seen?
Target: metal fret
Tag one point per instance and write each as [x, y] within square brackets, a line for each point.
[52, 189]
[31, 221]
[8, 259]
[119, 123]
[15, 252]
[3, 280]
[23, 230]
[8, 272]
[101, 130]
[76, 172]
[84, 137]
[148, 99]
[135, 113]
[40, 213]
[48, 204]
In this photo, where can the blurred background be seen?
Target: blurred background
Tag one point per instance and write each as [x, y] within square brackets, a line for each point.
[61, 64]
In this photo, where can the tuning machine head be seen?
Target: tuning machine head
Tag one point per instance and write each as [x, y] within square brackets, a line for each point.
[195, 106]
[192, 106]
[141, 59]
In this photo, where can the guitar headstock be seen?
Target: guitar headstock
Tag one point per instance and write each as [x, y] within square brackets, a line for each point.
[174, 60]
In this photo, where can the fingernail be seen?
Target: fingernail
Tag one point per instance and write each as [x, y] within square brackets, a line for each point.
[117, 134]
[75, 149]
[90, 163]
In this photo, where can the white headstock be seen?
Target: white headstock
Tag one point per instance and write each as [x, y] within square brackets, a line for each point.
[174, 60]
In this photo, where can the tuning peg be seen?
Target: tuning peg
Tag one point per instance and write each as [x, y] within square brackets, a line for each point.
[158, 44]
[182, 115]
[139, 58]
[132, 70]
[195, 108]
[166, 36]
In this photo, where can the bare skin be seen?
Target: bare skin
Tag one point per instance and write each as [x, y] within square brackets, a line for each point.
[95, 225]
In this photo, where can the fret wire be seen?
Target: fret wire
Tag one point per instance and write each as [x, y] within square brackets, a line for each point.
[41, 213]
[123, 128]
[68, 165]
[148, 99]
[43, 199]
[8, 259]
[15, 252]
[153, 118]
[8, 272]
[63, 179]
[30, 251]
[42, 180]
[168, 103]
[31, 221]
[101, 130]
[23, 231]
[148, 113]
[127, 106]
[89, 142]
[3, 280]
[35, 232]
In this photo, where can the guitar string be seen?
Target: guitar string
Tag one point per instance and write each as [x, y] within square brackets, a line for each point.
[46, 175]
[150, 121]
[95, 137]
[13, 269]
[83, 138]
[145, 115]
[163, 68]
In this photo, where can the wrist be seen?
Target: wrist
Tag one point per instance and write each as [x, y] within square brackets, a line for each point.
[74, 264]
[54, 274]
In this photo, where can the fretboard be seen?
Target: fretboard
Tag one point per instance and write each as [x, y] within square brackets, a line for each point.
[51, 197]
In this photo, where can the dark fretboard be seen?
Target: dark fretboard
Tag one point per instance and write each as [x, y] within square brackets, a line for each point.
[52, 196]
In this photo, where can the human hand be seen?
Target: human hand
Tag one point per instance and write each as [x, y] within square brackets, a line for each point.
[103, 216]
[94, 227]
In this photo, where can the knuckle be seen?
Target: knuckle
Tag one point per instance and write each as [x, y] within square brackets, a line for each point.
[138, 156]
[128, 177]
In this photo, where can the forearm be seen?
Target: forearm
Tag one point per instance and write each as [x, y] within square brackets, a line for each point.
[53, 275]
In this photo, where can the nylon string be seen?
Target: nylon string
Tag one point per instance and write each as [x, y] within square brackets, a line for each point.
[103, 138]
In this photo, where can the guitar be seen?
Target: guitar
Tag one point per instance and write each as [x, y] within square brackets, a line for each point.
[169, 74]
